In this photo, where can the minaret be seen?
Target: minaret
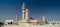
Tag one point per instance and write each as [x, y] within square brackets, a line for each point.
[23, 11]
[26, 14]
[43, 18]
[17, 18]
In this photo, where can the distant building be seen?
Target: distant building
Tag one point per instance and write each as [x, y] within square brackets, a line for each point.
[54, 22]
[8, 22]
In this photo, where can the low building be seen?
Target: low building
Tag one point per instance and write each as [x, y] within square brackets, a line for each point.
[8, 22]
[54, 22]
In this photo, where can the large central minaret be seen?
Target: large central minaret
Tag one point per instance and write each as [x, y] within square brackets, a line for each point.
[23, 11]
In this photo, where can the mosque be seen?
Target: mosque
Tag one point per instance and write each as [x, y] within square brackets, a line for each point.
[27, 20]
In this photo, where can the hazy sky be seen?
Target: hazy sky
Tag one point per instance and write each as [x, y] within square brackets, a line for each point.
[37, 8]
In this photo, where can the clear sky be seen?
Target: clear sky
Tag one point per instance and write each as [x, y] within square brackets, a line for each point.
[37, 8]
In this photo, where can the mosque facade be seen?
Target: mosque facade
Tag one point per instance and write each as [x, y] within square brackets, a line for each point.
[26, 19]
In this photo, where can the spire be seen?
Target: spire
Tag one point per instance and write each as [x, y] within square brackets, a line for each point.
[23, 4]
[43, 16]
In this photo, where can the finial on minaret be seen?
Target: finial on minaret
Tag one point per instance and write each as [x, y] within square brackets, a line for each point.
[23, 4]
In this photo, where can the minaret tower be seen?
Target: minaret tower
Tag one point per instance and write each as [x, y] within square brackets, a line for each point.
[23, 11]
[17, 18]
[26, 14]
[43, 18]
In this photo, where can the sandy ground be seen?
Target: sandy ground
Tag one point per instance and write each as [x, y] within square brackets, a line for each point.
[31, 26]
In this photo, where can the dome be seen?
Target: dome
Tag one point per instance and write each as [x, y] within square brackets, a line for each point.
[31, 18]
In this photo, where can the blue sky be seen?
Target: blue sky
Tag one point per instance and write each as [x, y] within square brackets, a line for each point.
[37, 8]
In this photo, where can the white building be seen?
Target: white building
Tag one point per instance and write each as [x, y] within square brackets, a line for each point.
[54, 22]
[8, 21]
